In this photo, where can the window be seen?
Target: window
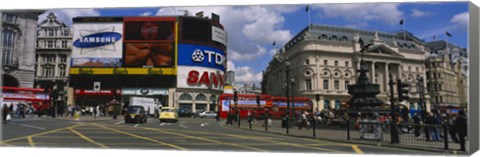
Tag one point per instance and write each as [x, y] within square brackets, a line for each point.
[64, 44]
[63, 59]
[50, 58]
[336, 63]
[325, 84]
[336, 85]
[325, 62]
[347, 64]
[307, 61]
[346, 84]
[48, 71]
[308, 84]
[409, 68]
[416, 68]
[50, 32]
[8, 46]
[49, 44]
[10, 18]
[63, 72]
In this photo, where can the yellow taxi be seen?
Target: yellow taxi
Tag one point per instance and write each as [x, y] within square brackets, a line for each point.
[168, 114]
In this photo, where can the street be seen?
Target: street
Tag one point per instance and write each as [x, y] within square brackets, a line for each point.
[187, 134]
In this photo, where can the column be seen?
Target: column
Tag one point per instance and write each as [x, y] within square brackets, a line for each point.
[320, 103]
[57, 61]
[332, 103]
[372, 70]
[39, 65]
[386, 87]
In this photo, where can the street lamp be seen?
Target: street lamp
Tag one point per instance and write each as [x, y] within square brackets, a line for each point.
[287, 69]
[422, 96]
[292, 83]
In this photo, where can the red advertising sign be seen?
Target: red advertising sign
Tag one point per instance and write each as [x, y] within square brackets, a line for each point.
[106, 92]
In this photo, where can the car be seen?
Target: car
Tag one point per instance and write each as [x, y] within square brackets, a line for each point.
[207, 114]
[186, 113]
[168, 114]
[135, 114]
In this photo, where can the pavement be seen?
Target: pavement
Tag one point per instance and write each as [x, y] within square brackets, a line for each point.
[339, 134]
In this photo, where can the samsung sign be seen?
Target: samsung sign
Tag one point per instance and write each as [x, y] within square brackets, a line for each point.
[196, 55]
[97, 40]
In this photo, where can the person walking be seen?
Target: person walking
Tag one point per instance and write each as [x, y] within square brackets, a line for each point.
[95, 111]
[461, 126]
[5, 112]
[451, 127]
[416, 123]
[303, 122]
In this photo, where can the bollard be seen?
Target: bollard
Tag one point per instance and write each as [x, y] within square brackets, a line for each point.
[238, 119]
[348, 129]
[250, 122]
[445, 135]
[76, 116]
[313, 125]
[266, 123]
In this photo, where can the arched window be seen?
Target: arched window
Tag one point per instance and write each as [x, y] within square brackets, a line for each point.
[344, 39]
[185, 96]
[213, 98]
[323, 37]
[333, 38]
[201, 97]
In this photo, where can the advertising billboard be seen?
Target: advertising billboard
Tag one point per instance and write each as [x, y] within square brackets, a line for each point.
[97, 44]
[149, 41]
[219, 35]
[196, 77]
[203, 56]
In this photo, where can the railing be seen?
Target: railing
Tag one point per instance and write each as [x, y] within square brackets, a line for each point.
[414, 135]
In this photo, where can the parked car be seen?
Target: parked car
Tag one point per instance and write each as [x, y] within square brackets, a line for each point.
[207, 114]
[186, 113]
[135, 114]
[168, 114]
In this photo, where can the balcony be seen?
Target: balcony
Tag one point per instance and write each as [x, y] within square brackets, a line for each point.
[13, 65]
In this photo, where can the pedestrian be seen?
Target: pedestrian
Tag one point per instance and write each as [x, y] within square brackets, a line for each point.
[431, 124]
[5, 113]
[461, 126]
[94, 112]
[416, 123]
[451, 127]
[303, 122]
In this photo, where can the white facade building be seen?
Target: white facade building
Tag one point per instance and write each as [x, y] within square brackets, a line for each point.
[53, 49]
[17, 47]
[324, 61]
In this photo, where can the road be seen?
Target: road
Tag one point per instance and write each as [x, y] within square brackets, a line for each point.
[187, 134]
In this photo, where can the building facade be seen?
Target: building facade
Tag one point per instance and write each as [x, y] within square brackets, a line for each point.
[52, 59]
[180, 61]
[447, 75]
[324, 61]
[17, 46]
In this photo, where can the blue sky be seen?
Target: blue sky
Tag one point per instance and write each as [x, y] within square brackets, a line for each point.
[252, 29]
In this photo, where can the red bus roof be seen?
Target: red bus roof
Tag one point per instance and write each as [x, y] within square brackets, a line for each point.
[22, 89]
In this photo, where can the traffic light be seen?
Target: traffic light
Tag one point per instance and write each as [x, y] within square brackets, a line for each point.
[54, 94]
[258, 100]
[402, 90]
[235, 98]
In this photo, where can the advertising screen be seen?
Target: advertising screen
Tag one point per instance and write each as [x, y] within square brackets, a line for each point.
[195, 77]
[149, 54]
[219, 35]
[97, 44]
[196, 55]
[195, 30]
[149, 30]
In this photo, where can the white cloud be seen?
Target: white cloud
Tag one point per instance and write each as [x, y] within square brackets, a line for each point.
[460, 20]
[359, 12]
[420, 13]
[245, 74]
[66, 15]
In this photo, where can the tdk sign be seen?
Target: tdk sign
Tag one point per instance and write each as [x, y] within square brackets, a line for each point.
[97, 40]
[196, 55]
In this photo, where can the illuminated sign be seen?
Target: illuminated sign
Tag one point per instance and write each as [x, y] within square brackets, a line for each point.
[97, 44]
[199, 78]
[98, 39]
[123, 71]
[196, 55]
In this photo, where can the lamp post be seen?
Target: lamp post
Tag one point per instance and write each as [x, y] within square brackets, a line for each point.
[287, 69]
[292, 83]
[422, 96]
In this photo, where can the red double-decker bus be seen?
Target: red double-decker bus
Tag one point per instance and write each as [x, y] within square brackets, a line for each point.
[276, 106]
[32, 96]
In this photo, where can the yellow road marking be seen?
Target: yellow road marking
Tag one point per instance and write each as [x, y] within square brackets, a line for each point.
[38, 134]
[86, 138]
[141, 137]
[208, 140]
[30, 141]
[356, 149]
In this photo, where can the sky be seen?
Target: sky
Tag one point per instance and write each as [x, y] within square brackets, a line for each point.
[251, 29]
